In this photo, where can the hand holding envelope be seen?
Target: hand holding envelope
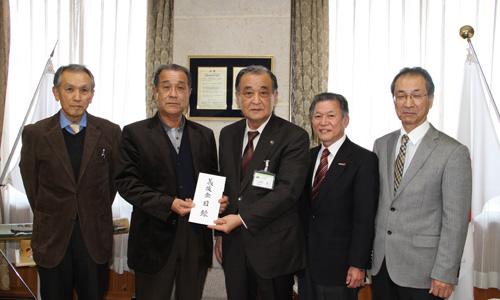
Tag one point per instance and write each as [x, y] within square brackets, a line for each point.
[227, 224]
[182, 207]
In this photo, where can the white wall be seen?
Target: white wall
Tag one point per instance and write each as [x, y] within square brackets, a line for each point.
[236, 27]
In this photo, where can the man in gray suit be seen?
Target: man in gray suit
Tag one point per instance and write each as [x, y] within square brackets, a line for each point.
[424, 202]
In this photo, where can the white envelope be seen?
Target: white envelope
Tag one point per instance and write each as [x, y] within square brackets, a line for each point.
[208, 191]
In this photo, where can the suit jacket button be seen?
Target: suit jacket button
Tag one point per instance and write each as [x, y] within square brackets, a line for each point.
[389, 232]
[393, 209]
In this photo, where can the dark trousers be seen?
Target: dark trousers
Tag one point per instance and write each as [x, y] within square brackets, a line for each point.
[185, 267]
[383, 288]
[243, 283]
[309, 290]
[76, 270]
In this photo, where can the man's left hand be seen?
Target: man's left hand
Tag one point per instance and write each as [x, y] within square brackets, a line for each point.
[227, 223]
[441, 289]
[224, 202]
[355, 277]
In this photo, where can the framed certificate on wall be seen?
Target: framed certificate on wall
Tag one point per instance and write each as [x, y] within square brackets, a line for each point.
[213, 77]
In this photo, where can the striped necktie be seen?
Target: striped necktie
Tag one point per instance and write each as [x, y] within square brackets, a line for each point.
[248, 153]
[320, 173]
[400, 162]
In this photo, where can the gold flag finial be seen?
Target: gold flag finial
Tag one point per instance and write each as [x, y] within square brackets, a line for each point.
[466, 32]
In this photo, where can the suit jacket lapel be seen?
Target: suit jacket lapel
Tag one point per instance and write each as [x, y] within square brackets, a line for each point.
[308, 186]
[55, 140]
[194, 138]
[427, 145]
[162, 146]
[92, 135]
[391, 159]
[266, 143]
[237, 143]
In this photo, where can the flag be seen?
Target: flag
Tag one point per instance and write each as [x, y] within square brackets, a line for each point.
[45, 105]
[479, 131]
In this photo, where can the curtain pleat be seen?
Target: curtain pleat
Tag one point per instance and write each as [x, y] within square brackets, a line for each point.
[309, 56]
[159, 50]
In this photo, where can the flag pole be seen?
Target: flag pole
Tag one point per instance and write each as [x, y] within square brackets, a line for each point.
[19, 134]
[11, 154]
[467, 32]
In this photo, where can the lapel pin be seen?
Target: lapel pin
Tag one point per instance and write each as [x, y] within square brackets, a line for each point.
[271, 142]
[342, 164]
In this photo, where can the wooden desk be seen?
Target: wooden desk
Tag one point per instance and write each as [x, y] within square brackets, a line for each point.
[121, 286]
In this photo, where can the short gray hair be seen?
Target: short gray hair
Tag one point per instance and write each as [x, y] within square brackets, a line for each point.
[344, 106]
[415, 71]
[73, 68]
[255, 69]
[170, 67]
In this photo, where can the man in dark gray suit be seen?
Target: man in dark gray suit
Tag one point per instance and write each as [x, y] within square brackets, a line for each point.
[263, 244]
[424, 203]
[338, 205]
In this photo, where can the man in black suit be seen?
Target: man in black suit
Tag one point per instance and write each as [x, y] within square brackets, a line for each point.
[161, 158]
[68, 164]
[263, 242]
[338, 205]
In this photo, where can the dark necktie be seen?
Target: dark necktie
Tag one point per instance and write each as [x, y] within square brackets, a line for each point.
[320, 173]
[400, 162]
[248, 153]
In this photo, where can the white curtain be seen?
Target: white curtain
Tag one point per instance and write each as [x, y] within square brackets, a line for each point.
[109, 37]
[370, 41]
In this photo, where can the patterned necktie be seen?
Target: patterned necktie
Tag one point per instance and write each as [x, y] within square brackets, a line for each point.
[400, 162]
[320, 173]
[248, 153]
[75, 128]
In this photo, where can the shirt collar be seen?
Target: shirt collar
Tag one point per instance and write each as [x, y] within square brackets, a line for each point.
[416, 134]
[181, 126]
[260, 129]
[334, 148]
[65, 122]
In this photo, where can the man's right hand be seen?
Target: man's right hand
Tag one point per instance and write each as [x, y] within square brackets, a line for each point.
[218, 249]
[182, 207]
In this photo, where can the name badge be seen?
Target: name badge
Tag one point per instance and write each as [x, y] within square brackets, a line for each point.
[264, 178]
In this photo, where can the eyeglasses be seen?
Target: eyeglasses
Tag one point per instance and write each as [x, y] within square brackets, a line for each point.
[414, 97]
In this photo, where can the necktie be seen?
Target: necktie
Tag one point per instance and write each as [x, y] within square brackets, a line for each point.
[75, 128]
[248, 153]
[320, 173]
[400, 162]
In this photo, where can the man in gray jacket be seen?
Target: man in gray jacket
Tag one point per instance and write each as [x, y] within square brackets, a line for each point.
[424, 203]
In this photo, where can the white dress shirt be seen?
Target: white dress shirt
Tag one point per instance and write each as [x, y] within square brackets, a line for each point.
[416, 136]
[333, 148]
[256, 139]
